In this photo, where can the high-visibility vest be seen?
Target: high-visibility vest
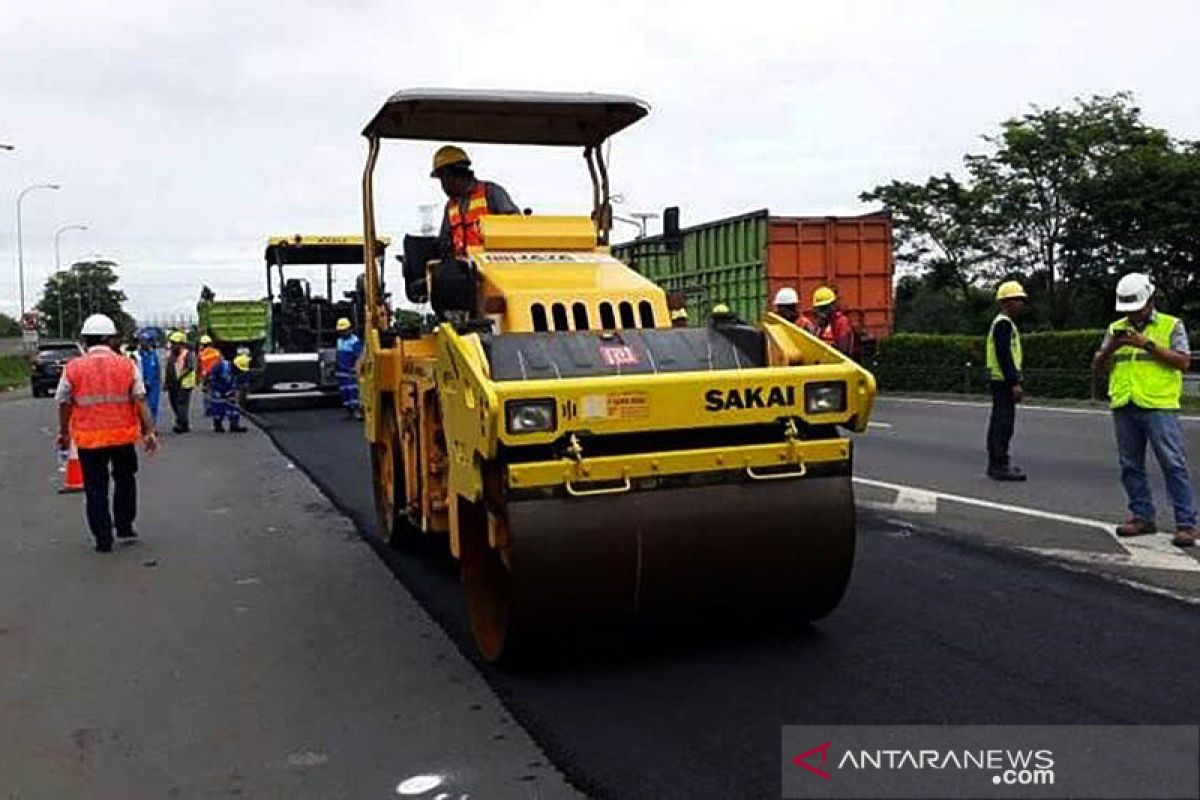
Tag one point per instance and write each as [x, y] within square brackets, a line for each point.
[1139, 377]
[185, 376]
[993, 361]
[464, 228]
[103, 410]
[209, 356]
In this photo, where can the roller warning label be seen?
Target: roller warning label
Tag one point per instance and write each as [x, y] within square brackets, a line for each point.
[617, 405]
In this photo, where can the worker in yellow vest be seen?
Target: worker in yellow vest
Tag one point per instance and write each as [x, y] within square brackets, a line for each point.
[1004, 361]
[1146, 353]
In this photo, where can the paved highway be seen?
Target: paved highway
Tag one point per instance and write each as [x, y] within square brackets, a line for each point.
[949, 618]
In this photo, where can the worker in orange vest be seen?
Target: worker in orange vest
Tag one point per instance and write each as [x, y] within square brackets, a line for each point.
[102, 409]
[469, 200]
[833, 326]
[206, 359]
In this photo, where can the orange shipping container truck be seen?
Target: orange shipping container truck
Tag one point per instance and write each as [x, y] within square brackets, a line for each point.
[742, 261]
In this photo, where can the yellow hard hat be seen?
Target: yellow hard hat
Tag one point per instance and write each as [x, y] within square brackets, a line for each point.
[206, 339]
[242, 362]
[448, 155]
[719, 309]
[176, 337]
[343, 324]
[823, 296]
[1009, 290]
[678, 314]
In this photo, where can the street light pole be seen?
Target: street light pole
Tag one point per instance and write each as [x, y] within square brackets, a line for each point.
[20, 249]
[58, 271]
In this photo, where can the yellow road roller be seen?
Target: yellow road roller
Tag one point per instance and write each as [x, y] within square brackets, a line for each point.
[589, 463]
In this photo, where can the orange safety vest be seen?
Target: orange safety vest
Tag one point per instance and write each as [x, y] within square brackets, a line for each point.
[464, 229]
[209, 356]
[104, 412]
[837, 329]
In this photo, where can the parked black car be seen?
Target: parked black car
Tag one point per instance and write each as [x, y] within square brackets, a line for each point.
[47, 366]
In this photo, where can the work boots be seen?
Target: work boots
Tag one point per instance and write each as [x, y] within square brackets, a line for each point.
[1006, 472]
[236, 427]
[1135, 526]
[1184, 537]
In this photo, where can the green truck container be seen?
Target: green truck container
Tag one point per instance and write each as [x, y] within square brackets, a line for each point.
[235, 322]
[742, 261]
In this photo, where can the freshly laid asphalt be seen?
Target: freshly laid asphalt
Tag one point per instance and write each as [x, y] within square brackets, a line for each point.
[934, 629]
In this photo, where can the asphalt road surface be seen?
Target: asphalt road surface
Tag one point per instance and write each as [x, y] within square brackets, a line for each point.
[249, 645]
[936, 627]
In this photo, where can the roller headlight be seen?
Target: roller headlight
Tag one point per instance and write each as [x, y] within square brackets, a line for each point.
[530, 416]
[828, 397]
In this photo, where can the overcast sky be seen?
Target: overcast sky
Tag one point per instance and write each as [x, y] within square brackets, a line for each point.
[183, 133]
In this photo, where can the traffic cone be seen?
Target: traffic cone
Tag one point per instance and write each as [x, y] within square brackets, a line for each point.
[73, 479]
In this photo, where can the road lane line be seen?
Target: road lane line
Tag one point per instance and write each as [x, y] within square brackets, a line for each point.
[1096, 412]
[879, 424]
[1149, 552]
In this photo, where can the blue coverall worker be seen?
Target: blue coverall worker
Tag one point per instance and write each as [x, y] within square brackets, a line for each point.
[349, 350]
[225, 380]
[151, 368]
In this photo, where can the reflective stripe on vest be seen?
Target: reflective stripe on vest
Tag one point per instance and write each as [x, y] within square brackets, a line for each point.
[464, 230]
[1139, 378]
[993, 361]
[104, 412]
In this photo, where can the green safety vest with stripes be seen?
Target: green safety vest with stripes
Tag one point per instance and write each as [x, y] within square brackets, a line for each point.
[1138, 377]
[993, 363]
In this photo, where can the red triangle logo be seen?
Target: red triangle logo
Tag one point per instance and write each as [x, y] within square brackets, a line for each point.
[801, 760]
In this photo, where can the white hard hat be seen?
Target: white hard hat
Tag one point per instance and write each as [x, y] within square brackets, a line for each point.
[98, 325]
[787, 297]
[1134, 291]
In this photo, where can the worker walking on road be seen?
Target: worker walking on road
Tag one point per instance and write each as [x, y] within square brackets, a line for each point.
[469, 200]
[225, 381]
[151, 369]
[1146, 353]
[180, 380]
[832, 325]
[102, 409]
[1007, 382]
[349, 351]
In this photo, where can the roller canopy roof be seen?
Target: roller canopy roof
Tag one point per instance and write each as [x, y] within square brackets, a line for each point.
[505, 117]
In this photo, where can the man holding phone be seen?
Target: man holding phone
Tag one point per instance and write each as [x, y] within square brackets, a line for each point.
[1146, 353]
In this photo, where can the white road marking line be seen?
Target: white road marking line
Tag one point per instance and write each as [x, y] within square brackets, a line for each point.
[1148, 552]
[879, 424]
[1027, 407]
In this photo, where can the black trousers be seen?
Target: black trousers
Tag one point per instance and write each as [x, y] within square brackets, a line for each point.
[1000, 426]
[181, 400]
[96, 463]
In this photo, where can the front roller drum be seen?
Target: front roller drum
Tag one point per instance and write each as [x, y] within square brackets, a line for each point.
[778, 547]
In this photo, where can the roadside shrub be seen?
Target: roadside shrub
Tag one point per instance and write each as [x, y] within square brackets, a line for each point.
[1057, 363]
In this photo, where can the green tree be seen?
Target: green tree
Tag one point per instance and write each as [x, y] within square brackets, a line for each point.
[1038, 180]
[939, 229]
[88, 287]
[9, 326]
[1067, 200]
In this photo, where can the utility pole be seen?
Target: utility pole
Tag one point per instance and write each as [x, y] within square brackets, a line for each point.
[20, 249]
